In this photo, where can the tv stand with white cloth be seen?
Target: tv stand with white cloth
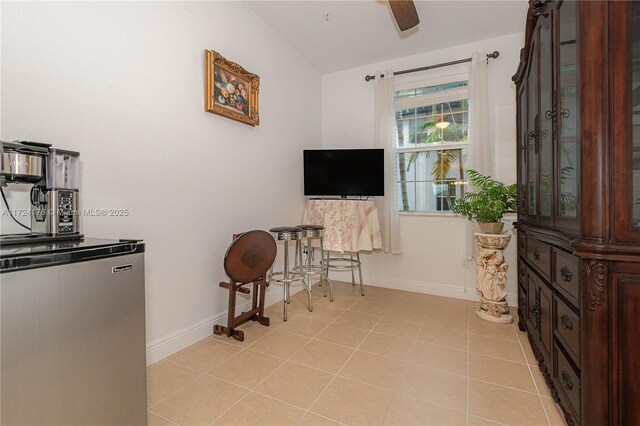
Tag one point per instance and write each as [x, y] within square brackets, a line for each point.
[350, 226]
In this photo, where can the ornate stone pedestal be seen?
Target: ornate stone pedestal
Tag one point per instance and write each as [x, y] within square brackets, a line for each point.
[491, 278]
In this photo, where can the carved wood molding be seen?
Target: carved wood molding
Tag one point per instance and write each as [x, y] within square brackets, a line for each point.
[548, 378]
[595, 249]
[593, 275]
[554, 237]
[536, 8]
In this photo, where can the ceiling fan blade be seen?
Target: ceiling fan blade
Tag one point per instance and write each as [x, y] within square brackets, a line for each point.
[405, 13]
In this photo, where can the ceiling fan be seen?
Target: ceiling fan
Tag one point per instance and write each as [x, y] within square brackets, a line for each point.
[405, 14]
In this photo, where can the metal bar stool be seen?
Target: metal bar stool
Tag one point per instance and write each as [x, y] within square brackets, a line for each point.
[345, 264]
[308, 268]
[286, 234]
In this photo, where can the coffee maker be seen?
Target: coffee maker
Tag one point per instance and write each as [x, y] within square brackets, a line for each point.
[53, 174]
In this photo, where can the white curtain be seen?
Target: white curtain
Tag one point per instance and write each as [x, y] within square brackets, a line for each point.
[385, 137]
[480, 147]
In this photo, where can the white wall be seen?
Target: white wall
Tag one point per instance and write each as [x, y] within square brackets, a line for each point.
[434, 246]
[123, 83]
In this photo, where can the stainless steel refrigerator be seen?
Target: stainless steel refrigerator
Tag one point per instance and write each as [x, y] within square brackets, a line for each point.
[72, 333]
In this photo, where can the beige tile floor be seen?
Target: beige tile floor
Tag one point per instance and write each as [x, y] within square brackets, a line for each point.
[391, 357]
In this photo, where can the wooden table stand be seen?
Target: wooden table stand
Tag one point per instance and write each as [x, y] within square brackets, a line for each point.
[247, 261]
[256, 313]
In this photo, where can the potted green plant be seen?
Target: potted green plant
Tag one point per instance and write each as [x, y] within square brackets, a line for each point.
[488, 204]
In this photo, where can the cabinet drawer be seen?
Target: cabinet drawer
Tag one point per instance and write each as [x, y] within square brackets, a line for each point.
[522, 243]
[522, 272]
[566, 277]
[539, 254]
[568, 381]
[568, 329]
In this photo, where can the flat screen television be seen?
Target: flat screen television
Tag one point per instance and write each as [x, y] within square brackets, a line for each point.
[344, 172]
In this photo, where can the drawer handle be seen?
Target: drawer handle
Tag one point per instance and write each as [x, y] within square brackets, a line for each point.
[566, 380]
[566, 322]
[536, 254]
[566, 274]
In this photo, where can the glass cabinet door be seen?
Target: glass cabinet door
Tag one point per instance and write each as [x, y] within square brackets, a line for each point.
[625, 118]
[546, 118]
[533, 134]
[567, 117]
[635, 111]
[523, 143]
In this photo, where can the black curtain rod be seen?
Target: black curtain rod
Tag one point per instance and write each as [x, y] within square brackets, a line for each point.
[493, 55]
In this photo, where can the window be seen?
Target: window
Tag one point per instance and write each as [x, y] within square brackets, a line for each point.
[432, 122]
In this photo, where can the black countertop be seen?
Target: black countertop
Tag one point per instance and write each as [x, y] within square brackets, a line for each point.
[43, 254]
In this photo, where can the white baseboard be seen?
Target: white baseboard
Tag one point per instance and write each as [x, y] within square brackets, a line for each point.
[435, 289]
[166, 346]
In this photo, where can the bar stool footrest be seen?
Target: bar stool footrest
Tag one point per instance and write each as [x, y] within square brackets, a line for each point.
[315, 270]
[293, 276]
[349, 264]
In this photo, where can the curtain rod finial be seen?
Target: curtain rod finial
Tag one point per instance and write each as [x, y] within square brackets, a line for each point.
[494, 54]
[369, 77]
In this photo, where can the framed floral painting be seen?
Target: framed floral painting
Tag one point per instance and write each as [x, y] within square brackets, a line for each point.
[230, 90]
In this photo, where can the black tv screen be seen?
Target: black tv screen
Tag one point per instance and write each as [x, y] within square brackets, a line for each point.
[344, 172]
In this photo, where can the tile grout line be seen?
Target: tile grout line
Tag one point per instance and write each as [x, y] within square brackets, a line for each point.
[179, 388]
[492, 421]
[250, 390]
[503, 386]
[341, 368]
[298, 408]
[162, 417]
[200, 374]
[229, 409]
[417, 340]
[468, 371]
[496, 358]
[273, 372]
[544, 409]
[395, 391]
[385, 315]
[403, 361]
[368, 384]
[334, 374]
[327, 372]
[242, 349]
[494, 337]
[149, 408]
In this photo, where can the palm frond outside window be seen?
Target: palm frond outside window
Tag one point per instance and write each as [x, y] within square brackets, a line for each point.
[432, 140]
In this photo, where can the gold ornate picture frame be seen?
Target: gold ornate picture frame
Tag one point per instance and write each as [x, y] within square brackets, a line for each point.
[230, 90]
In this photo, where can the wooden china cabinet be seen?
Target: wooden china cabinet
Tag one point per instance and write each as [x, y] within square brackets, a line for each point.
[578, 97]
